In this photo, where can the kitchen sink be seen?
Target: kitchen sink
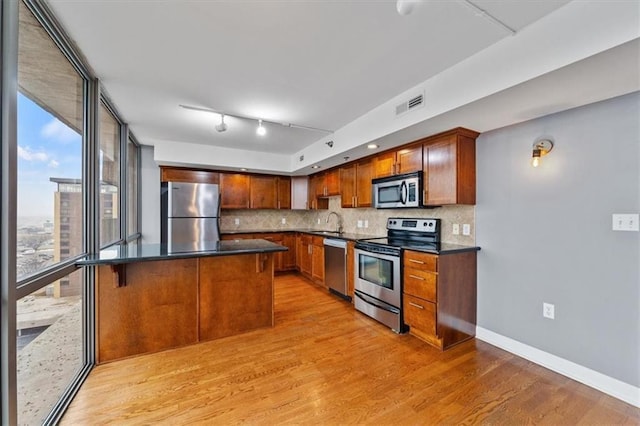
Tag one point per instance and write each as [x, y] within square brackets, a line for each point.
[327, 232]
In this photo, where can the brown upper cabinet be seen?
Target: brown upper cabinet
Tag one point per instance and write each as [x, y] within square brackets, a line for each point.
[404, 160]
[449, 168]
[355, 184]
[174, 174]
[315, 202]
[234, 191]
[328, 184]
[264, 192]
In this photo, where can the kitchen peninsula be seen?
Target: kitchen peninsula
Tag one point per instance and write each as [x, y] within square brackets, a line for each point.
[149, 299]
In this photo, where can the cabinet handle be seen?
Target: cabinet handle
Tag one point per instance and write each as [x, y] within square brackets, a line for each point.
[415, 305]
[309, 249]
[416, 277]
[278, 203]
[416, 261]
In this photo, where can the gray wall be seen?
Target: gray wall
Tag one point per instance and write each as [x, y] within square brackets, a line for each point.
[546, 236]
[150, 197]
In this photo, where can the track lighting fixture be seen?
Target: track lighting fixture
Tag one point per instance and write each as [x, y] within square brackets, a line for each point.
[261, 131]
[222, 126]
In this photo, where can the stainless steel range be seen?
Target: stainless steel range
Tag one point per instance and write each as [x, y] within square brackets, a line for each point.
[378, 267]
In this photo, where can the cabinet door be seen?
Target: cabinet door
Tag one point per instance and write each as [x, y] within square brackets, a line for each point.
[409, 160]
[384, 164]
[264, 191]
[299, 193]
[305, 254]
[320, 185]
[351, 269]
[364, 174]
[332, 182]
[289, 257]
[284, 192]
[234, 191]
[440, 172]
[171, 174]
[348, 186]
[317, 261]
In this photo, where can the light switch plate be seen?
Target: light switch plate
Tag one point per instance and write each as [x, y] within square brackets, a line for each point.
[284, 221]
[366, 223]
[625, 222]
[456, 229]
[236, 221]
[359, 224]
[466, 229]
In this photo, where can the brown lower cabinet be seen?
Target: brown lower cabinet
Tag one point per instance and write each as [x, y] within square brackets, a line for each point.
[317, 260]
[283, 261]
[235, 295]
[310, 257]
[151, 306]
[440, 297]
[351, 269]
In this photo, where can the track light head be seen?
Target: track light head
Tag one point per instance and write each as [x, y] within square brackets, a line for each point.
[261, 130]
[222, 127]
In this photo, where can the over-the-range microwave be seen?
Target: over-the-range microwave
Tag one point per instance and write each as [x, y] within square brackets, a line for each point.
[398, 191]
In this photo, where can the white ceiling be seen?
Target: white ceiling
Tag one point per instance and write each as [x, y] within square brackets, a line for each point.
[314, 63]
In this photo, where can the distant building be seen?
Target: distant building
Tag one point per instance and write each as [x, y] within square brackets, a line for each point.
[67, 226]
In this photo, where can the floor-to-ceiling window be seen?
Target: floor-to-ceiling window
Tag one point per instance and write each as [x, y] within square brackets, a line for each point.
[61, 187]
[50, 220]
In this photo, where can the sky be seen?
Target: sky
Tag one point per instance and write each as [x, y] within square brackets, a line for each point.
[46, 148]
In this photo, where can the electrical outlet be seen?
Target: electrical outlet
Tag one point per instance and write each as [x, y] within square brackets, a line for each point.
[548, 310]
[466, 229]
[284, 221]
[318, 221]
[625, 222]
[366, 223]
[456, 229]
[236, 221]
[359, 224]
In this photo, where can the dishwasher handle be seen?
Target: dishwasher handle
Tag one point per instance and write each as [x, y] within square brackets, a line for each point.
[335, 243]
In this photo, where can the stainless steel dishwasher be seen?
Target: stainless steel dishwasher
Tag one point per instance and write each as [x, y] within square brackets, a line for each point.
[335, 266]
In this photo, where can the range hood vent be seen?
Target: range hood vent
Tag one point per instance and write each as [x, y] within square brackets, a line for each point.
[413, 103]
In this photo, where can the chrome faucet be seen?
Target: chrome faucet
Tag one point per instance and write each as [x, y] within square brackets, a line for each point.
[339, 218]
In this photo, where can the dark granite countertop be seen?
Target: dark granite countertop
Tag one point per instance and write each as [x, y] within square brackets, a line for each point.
[327, 234]
[443, 248]
[129, 253]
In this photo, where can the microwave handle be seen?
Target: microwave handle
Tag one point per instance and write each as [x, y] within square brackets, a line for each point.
[403, 192]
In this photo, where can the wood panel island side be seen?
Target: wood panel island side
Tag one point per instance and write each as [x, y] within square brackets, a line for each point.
[148, 300]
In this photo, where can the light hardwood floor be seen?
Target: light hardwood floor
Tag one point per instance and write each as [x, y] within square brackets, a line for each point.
[325, 363]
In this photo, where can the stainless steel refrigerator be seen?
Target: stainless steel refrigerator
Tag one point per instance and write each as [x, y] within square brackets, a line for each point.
[192, 218]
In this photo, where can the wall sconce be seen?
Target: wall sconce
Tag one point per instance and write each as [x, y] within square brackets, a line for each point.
[541, 147]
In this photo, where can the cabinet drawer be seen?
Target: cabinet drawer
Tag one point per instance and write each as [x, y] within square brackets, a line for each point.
[420, 315]
[420, 283]
[306, 238]
[318, 241]
[424, 261]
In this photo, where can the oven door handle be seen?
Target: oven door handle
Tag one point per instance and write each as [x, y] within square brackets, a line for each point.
[404, 192]
[384, 308]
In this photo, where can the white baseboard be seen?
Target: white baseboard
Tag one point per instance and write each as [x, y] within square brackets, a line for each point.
[614, 387]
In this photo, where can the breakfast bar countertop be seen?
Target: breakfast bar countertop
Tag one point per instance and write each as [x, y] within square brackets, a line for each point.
[136, 252]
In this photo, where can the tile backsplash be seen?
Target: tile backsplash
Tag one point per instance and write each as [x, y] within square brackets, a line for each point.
[376, 219]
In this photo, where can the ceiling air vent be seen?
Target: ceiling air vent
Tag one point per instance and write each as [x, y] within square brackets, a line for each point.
[413, 103]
